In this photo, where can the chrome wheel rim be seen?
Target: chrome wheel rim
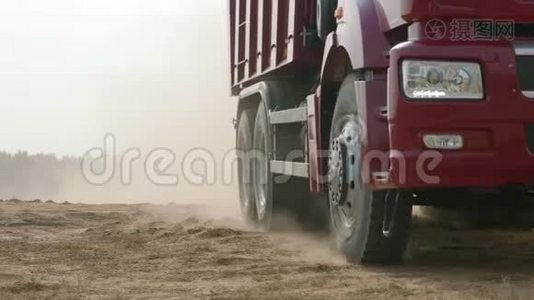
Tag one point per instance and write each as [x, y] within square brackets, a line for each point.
[344, 179]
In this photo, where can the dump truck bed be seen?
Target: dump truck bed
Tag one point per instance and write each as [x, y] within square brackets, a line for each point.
[267, 37]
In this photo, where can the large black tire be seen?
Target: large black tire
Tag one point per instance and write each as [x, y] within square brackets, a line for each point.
[279, 199]
[261, 167]
[326, 22]
[244, 141]
[370, 227]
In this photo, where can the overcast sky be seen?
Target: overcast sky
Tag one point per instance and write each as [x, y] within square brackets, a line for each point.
[151, 72]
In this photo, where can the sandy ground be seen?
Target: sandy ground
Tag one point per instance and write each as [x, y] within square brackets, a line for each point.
[61, 251]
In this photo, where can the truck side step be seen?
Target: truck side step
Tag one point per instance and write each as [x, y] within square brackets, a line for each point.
[294, 115]
[295, 169]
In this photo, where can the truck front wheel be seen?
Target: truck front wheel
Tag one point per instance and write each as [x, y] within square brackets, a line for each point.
[369, 226]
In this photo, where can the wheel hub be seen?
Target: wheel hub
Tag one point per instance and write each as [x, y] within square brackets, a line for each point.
[343, 165]
[336, 175]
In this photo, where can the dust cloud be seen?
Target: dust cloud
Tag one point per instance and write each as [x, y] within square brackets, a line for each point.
[152, 74]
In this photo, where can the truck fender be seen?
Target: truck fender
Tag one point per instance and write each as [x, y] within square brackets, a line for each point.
[359, 36]
[252, 96]
[275, 95]
[358, 44]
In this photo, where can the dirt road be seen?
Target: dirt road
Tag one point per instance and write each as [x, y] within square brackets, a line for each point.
[61, 251]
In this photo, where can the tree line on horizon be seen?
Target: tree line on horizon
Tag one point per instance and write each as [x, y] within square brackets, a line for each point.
[31, 176]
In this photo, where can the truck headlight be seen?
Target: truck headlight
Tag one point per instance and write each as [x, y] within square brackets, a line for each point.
[426, 79]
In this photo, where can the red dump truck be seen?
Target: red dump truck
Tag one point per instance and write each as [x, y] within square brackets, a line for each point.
[379, 105]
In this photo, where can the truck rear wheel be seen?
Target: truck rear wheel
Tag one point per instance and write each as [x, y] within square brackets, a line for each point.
[369, 226]
[262, 176]
[279, 198]
[244, 151]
